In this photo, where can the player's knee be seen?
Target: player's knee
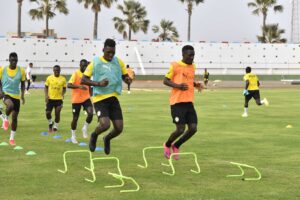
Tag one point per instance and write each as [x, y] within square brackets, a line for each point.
[180, 130]
[119, 129]
[90, 113]
[104, 126]
[193, 130]
[48, 113]
[10, 106]
[75, 118]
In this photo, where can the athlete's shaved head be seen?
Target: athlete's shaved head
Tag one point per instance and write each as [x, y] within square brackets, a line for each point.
[56, 70]
[109, 43]
[109, 49]
[188, 54]
[248, 69]
[187, 47]
[83, 64]
[13, 59]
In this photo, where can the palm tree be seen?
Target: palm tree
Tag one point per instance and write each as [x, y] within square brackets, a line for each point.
[272, 34]
[96, 7]
[135, 15]
[19, 17]
[166, 30]
[263, 6]
[190, 5]
[47, 8]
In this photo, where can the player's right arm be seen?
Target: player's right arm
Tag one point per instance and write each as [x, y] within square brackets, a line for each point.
[46, 90]
[1, 91]
[170, 83]
[247, 85]
[71, 84]
[46, 94]
[246, 79]
[86, 78]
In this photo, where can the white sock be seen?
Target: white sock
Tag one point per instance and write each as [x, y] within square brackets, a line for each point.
[2, 116]
[73, 133]
[50, 121]
[12, 135]
[55, 125]
[86, 125]
[245, 110]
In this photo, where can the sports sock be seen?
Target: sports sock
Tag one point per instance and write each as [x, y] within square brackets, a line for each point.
[73, 133]
[2, 116]
[55, 125]
[12, 135]
[245, 110]
[85, 126]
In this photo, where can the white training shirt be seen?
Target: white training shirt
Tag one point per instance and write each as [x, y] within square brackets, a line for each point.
[28, 73]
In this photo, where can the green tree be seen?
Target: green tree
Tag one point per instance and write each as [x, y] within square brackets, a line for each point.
[19, 17]
[135, 15]
[263, 6]
[272, 34]
[46, 9]
[190, 5]
[96, 8]
[166, 30]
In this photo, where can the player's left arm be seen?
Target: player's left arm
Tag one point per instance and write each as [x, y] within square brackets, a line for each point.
[23, 91]
[23, 78]
[198, 85]
[125, 75]
[1, 91]
[64, 92]
[64, 89]
[258, 83]
[247, 84]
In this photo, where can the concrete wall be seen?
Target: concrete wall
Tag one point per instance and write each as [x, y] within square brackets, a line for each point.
[218, 58]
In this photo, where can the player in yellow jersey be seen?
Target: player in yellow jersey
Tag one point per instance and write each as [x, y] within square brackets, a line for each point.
[205, 77]
[107, 73]
[11, 77]
[55, 89]
[131, 74]
[252, 90]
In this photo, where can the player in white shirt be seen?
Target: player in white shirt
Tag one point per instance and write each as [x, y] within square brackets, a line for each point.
[28, 77]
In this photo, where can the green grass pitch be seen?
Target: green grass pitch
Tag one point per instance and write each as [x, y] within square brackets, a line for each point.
[223, 135]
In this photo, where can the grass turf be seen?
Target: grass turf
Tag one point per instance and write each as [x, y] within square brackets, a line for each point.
[223, 135]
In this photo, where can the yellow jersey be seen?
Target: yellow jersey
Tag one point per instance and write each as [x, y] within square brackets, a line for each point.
[12, 73]
[89, 72]
[253, 81]
[55, 86]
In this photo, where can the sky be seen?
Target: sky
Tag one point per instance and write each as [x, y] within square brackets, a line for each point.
[214, 20]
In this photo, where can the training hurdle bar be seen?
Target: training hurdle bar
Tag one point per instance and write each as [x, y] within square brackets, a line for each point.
[118, 176]
[197, 171]
[240, 166]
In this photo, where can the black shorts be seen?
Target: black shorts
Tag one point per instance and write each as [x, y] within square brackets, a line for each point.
[77, 106]
[16, 102]
[184, 113]
[109, 107]
[53, 104]
[252, 93]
